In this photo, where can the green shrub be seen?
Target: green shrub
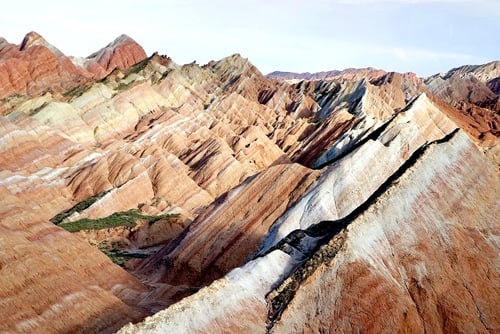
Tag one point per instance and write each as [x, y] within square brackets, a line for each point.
[38, 109]
[120, 257]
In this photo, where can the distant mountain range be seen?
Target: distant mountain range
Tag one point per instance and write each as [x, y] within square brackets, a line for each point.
[349, 74]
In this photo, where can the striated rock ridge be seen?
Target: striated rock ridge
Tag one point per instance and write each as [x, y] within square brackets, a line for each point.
[484, 73]
[347, 182]
[36, 67]
[51, 281]
[34, 39]
[122, 53]
[283, 195]
[229, 230]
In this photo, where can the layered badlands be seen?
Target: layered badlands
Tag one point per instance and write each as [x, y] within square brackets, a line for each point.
[364, 202]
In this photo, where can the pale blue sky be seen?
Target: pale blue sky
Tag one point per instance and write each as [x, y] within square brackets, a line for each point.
[422, 36]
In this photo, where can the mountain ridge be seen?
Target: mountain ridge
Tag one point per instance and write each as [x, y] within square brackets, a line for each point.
[349, 73]
[36, 67]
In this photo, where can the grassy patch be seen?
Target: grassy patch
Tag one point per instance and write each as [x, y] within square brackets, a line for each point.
[38, 109]
[58, 219]
[77, 91]
[138, 66]
[119, 257]
[122, 85]
[316, 121]
[124, 218]
[116, 254]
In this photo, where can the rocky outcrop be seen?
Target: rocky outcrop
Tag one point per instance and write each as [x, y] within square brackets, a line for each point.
[37, 67]
[347, 182]
[232, 304]
[484, 72]
[402, 249]
[51, 281]
[229, 230]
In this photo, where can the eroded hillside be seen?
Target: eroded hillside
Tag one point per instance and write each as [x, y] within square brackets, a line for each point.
[240, 203]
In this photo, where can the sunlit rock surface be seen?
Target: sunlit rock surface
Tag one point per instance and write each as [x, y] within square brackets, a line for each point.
[233, 304]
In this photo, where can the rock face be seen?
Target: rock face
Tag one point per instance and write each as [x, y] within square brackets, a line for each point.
[398, 266]
[241, 203]
[36, 67]
[230, 229]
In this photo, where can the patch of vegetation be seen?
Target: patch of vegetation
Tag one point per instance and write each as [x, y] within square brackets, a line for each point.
[123, 218]
[120, 258]
[59, 218]
[138, 66]
[38, 109]
[104, 80]
[164, 75]
[316, 121]
[77, 91]
[279, 125]
[117, 255]
[123, 85]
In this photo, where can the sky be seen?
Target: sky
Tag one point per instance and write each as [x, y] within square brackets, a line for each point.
[421, 36]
